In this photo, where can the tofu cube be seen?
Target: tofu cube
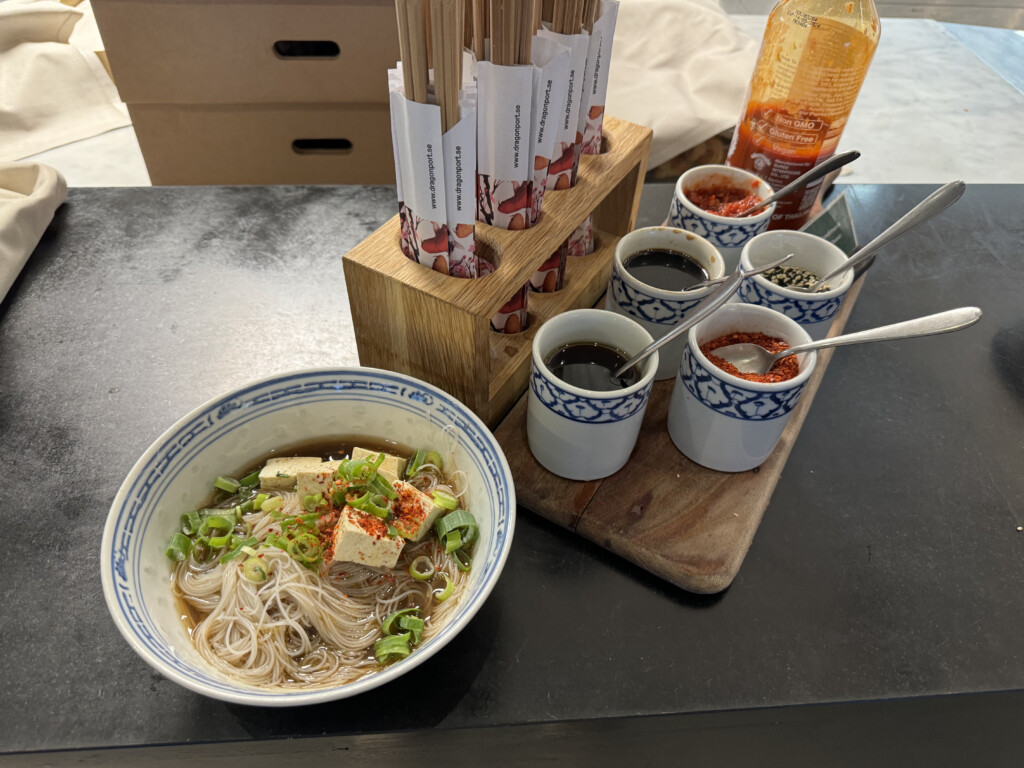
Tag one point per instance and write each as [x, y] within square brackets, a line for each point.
[318, 480]
[392, 469]
[362, 538]
[414, 511]
[281, 474]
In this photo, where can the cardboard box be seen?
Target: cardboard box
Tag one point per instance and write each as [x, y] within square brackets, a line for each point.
[265, 143]
[249, 51]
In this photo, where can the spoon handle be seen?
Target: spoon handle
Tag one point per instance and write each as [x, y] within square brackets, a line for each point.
[929, 325]
[817, 172]
[931, 206]
[709, 305]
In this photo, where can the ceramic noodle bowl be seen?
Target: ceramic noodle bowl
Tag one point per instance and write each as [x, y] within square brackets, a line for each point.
[245, 425]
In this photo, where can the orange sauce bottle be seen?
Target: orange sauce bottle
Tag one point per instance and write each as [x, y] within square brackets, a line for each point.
[813, 60]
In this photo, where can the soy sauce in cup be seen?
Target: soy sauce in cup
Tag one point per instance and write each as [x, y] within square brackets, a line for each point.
[590, 365]
[665, 269]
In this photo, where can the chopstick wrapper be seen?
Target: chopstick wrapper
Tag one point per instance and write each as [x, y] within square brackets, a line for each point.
[599, 57]
[434, 179]
[416, 134]
[550, 88]
[30, 194]
[504, 151]
[560, 171]
[459, 184]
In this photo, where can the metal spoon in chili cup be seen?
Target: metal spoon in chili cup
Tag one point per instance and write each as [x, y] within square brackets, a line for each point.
[931, 206]
[822, 169]
[706, 307]
[752, 358]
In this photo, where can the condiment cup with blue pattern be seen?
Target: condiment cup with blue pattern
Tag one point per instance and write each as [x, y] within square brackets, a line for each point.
[813, 311]
[725, 422]
[583, 433]
[655, 307]
[727, 233]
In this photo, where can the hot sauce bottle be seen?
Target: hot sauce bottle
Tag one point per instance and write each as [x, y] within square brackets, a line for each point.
[812, 63]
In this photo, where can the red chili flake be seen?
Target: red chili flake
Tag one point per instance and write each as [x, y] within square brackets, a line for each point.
[722, 199]
[783, 370]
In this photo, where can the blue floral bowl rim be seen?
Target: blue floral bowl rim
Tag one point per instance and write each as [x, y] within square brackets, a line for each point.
[714, 217]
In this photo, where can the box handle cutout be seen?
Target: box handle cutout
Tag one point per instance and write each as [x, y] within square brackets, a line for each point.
[306, 49]
[321, 146]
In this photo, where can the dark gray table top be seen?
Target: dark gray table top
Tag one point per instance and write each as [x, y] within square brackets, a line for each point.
[887, 568]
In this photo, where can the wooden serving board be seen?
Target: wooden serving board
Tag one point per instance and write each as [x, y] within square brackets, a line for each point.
[690, 525]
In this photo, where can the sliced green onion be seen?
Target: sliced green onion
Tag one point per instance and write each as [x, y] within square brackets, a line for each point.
[178, 547]
[312, 501]
[392, 531]
[257, 503]
[217, 542]
[463, 560]
[250, 480]
[254, 570]
[445, 499]
[242, 546]
[378, 506]
[201, 551]
[415, 462]
[415, 626]
[422, 568]
[338, 497]
[433, 457]
[274, 502]
[460, 522]
[383, 487]
[449, 587]
[190, 522]
[305, 548]
[216, 523]
[247, 506]
[452, 541]
[377, 461]
[228, 484]
[386, 627]
[393, 648]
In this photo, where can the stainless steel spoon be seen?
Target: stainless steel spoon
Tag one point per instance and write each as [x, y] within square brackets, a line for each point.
[931, 206]
[817, 172]
[751, 358]
[707, 306]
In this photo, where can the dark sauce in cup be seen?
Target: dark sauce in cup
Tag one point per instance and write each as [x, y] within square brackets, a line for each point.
[665, 269]
[590, 365]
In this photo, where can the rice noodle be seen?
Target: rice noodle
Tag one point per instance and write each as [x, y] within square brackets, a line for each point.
[305, 629]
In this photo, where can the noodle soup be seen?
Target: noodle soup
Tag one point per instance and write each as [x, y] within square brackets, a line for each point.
[324, 563]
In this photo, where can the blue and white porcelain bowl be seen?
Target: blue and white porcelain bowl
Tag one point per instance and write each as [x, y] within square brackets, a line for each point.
[658, 310]
[726, 233]
[724, 422]
[582, 434]
[246, 424]
[814, 312]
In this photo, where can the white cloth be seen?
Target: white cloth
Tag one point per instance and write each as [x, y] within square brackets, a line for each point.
[680, 67]
[51, 92]
[30, 193]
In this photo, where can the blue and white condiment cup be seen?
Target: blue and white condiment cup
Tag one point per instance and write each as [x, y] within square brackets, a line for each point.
[728, 234]
[657, 310]
[813, 311]
[582, 434]
[721, 421]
